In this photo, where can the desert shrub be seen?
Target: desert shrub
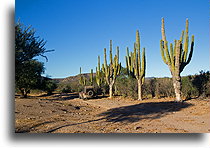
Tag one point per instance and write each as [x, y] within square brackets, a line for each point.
[126, 86]
[75, 86]
[149, 87]
[164, 87]
[64, 88]
[201, 82]
[208, 88]
[48, 86]
[188, 89]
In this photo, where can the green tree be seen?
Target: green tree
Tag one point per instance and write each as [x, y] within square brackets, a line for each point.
[188, 89]
[201, 83]
[27, 69]
[29, 76]
[48, 85]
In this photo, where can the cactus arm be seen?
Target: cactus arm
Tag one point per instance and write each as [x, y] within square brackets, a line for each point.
[91, 77]
[182, 36]
[106, 68]
[174, 49]
[81, 78]
[138, 59]
[185, 49]
[80, 70]
[172, 56]
[118, 54]
[119, 69]
[186, 42]
[163, 30]
[139, 68]
[99, 63]
[168, 59]
[162, 52]
[142, 81]
[105, 61]
[191, 50]
[143, 67]
[127, 61]
[110, 52]
[177, 59]
[134, 61]
[137, 40]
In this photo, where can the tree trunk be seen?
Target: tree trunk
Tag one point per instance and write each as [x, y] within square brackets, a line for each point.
[203, 95]
[111, 84]
[115, 90]
[110, 90]
[24, 93]
[139, 90]
[177, 88]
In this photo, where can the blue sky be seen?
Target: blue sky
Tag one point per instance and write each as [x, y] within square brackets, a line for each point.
[79, 30]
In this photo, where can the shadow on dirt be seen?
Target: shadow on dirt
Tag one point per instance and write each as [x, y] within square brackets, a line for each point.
[135, 113]
[57, 128]
[97, 97]
[27, 129]
[53, 97]
[60, 97]
[142, 111]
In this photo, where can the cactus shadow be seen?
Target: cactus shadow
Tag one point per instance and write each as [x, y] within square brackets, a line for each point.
[98, 97]
[59, 96]
[149, 111]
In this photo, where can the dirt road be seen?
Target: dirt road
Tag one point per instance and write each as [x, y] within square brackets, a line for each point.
[65, 113]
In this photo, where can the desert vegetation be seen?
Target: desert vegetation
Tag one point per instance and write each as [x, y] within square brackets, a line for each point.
[28, 70]
[127, 87]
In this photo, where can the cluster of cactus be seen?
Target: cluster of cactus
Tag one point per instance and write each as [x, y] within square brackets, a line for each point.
[111, 70]
[136, 64]
[99, 74]
[177, 58]
[82, 80]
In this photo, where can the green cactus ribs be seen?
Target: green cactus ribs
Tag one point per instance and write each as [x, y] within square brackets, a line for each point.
[99, 73]
[82, 80]
[178, 57]
[111, 70]
[136, 65]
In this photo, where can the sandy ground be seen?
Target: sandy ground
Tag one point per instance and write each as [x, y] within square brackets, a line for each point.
[65, 113]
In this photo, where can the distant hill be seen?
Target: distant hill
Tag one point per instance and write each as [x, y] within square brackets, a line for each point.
[76, 78]
[72, 78]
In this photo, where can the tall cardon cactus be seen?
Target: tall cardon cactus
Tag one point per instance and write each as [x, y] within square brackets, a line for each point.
[111, 70]
[136, 64]
[178, 57]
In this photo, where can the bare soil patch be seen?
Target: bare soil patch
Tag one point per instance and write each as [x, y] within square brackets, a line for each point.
[66, 113]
